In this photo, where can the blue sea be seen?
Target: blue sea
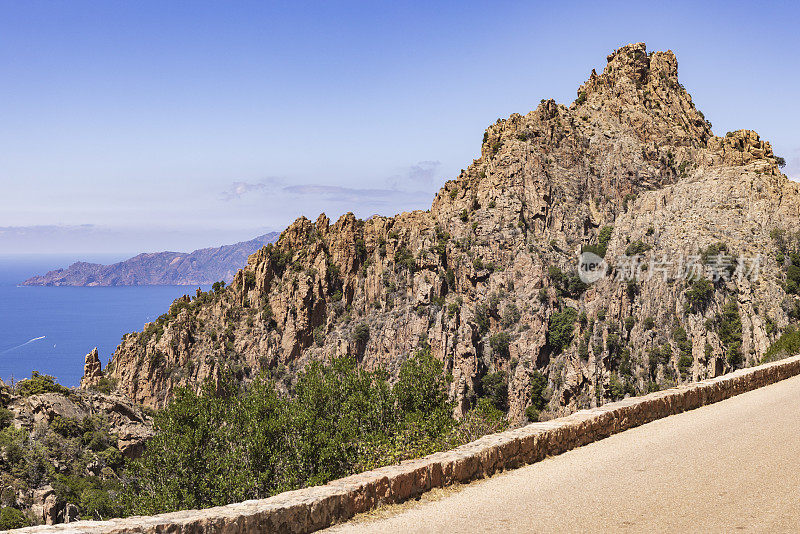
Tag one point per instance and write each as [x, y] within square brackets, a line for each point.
[51, 329]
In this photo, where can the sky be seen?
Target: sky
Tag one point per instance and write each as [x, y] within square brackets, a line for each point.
[144, 126]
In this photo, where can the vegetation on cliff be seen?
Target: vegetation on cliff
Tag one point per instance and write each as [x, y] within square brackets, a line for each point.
[228, 444]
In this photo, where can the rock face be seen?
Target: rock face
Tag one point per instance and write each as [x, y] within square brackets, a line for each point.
[204, 266]
[92, 370]
[59, 435]
[485, 277]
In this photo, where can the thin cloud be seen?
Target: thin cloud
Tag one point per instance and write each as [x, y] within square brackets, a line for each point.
[239, 189]
[417, 175]
[46, 229]
[354, 195]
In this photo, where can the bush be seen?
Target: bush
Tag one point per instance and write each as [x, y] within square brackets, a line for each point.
[538, 398]
[560, 328]
[569, 285]
[494, 386]
[699, 295]
[6, 418]
[481, 318]
[636, 248]
[786, 345]
[603, 237]
[225, 445]
[38, 384]
[499, 343]
[404, 258]
[217, 287]
[361, 334]
[511, 315]
[685, 360]
[105, 385]
[538, 389]
[11, 518]
[649, 323]
[729, 328]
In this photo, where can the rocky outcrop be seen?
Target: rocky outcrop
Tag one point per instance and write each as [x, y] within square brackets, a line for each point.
[203, 266]
[125, 420]
[312, 509]
[60, 437]
[483, 276]
[92, 370]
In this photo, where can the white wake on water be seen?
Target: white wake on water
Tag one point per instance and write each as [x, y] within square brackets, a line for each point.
[26, 343]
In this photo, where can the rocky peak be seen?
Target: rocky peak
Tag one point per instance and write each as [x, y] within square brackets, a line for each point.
[480, 277]
[642, 90]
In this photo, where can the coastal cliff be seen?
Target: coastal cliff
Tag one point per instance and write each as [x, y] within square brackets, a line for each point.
[487, 277]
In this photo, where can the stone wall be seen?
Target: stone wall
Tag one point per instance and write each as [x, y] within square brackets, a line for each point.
[314, 508]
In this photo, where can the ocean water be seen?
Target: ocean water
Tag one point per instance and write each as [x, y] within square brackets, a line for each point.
[51, 329]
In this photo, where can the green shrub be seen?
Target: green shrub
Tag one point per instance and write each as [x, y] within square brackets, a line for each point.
[636, 248]
[511, 315]
[728, 324]
[499, 343]
[603, 237]
[685, 359]
[494, 386]
[217, 287]
[560, 328]
[404, 258]
[481, 318]
[538, 399]
[567, 284]
[6, 418]
[361, 334]
[38, 384]
[226, 444]
[66, 426]
[699, 295]
[649, 323]
[658, 355]
[786, 345]
[11, 518]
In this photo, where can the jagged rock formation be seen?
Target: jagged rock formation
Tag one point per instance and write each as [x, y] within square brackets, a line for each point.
[480, 277]
[203, 266]
[92, 370]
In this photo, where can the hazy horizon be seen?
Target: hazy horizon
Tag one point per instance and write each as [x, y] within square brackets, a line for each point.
[149, 127]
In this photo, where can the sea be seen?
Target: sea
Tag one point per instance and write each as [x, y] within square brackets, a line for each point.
[51, 329]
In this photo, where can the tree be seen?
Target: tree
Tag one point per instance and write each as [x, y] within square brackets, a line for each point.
[538, 399]
[699, 294]
[559, 331]
[494, 386]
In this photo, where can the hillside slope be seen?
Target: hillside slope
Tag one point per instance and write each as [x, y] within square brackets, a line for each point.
[487, 277]
[203, 266]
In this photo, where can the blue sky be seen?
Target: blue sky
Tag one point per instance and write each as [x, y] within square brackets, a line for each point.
[131, 126]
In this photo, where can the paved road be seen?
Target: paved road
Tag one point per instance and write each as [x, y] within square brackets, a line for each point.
[732, 466]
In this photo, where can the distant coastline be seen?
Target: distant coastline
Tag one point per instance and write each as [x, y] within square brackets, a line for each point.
[200, 267]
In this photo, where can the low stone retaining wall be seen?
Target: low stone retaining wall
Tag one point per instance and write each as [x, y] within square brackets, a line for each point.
[314, 508]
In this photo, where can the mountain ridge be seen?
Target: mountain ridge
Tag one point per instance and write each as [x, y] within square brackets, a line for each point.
[199, 267]
[486, 279]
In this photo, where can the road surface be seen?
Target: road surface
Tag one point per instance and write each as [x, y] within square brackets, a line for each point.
[733, 466]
